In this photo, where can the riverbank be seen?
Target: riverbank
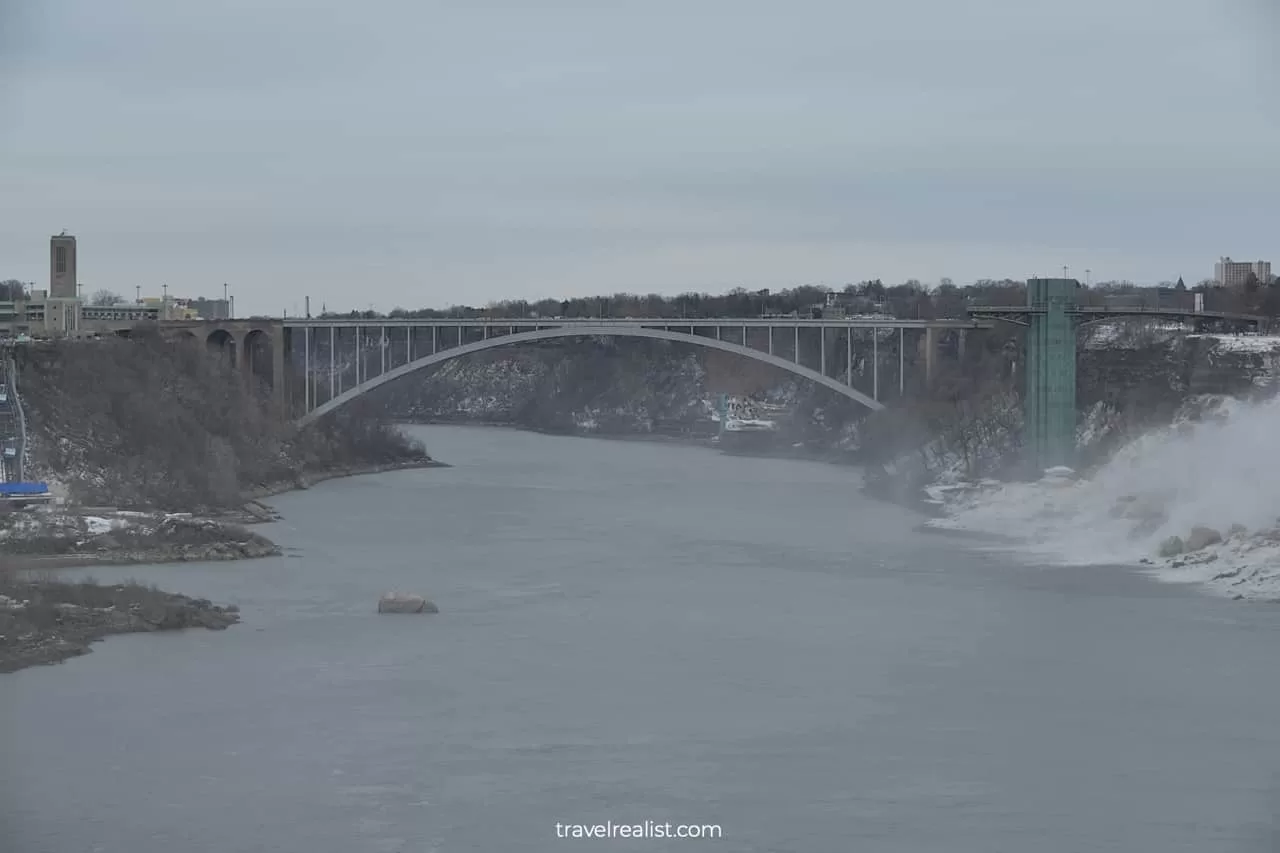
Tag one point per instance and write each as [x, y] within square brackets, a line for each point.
[307, 479]
[803, 452]
[75, 537]
[64, 537]
[1191, 536]
[45, 621]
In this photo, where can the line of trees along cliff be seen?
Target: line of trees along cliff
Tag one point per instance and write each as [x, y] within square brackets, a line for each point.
[908, 300]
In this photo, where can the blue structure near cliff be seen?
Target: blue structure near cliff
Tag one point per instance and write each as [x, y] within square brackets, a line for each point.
[21, 494]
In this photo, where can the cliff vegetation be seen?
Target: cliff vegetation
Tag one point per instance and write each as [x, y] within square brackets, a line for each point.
[147, 423]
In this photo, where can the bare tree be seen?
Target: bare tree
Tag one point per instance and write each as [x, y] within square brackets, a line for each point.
[105, 297]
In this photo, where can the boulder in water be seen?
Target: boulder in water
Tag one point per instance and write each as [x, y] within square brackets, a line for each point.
[1236, 529]
[1172, 547]
[1202, 537]
[402, 602]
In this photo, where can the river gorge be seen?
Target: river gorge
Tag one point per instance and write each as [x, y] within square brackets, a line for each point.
[634, 632]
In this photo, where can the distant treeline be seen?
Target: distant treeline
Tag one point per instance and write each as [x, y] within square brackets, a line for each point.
[908, 300]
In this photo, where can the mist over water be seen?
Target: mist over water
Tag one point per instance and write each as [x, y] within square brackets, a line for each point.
[1218, 471]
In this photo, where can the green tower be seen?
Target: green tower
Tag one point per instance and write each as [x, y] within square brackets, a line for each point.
[1050, 405]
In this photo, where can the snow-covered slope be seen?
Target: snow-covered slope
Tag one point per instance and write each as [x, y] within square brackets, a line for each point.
[1213, 474]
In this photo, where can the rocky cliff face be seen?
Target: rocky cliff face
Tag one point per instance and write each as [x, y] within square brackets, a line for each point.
[1127, 383]
[594, 387]
[605, 387]
[1154, 370]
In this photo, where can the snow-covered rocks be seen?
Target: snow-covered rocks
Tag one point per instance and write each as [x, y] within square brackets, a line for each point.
[1196, 502]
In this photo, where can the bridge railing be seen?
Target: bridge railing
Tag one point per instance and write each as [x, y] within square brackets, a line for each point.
[647, 322]
[1122, 311]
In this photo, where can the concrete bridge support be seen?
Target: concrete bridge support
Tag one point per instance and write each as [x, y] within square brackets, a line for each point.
[931, 350]
[257, 348]
[930, 344]
[264, 358]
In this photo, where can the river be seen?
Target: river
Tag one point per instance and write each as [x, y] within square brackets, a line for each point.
[640, 632]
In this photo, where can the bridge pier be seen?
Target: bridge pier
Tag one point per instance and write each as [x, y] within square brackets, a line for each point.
[930, 344]
[242, 341]
[930, 350]
[250, 362]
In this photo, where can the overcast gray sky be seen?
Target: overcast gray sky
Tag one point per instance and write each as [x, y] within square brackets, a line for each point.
[422, 153]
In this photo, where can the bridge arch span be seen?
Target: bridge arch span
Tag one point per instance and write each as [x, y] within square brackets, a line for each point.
[582, 332]
[222, 343]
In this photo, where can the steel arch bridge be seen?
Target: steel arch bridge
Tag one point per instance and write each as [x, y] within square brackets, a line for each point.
[313, 367]
[389, 346]
[587, 331]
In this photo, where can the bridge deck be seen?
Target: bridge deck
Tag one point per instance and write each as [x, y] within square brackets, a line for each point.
[639, 322]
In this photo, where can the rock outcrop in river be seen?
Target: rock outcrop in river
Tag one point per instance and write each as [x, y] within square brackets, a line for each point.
[403, 602]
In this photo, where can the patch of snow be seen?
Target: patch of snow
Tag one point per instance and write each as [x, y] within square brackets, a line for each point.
[96, 525]
[738, 424]
[1246, 566]
[1243, 342]
[1125, 333]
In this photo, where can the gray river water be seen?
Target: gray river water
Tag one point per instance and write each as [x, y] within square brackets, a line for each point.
[636, 632]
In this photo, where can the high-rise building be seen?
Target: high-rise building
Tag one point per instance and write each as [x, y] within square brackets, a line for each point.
[1229, 273]
[62, 267]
